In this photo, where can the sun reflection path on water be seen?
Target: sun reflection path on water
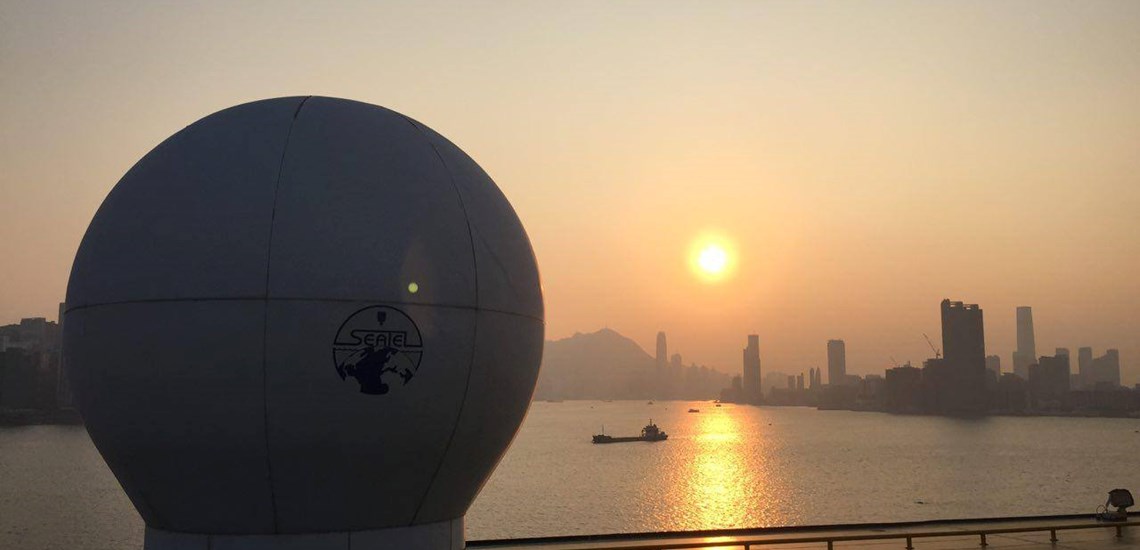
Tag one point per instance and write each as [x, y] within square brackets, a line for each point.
[719, 486]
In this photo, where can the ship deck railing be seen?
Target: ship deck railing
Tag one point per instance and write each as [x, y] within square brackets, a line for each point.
[835, 537]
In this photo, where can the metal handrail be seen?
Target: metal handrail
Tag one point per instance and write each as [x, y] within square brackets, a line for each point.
[910, 536]
[747, 542]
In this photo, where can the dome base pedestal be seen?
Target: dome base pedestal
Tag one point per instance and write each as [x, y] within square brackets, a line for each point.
[444, 535]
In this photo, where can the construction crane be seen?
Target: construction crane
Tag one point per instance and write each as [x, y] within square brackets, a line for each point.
[937, 352]
[895, 362]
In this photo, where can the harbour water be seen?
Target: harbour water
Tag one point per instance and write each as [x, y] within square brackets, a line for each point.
[729, 466]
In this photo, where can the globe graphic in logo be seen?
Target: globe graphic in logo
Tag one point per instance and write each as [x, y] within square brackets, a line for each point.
[380, 347]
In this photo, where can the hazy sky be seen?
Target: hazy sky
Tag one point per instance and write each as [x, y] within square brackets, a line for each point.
[864, 159]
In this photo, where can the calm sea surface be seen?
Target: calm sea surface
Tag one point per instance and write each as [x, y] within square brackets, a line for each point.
[732, 466]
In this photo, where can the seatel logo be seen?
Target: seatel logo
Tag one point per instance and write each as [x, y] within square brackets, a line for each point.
[379, 346]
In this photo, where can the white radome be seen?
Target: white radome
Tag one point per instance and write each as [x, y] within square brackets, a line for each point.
[308, 321]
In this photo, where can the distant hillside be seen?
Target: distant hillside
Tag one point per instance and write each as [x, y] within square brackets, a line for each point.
[607, 365]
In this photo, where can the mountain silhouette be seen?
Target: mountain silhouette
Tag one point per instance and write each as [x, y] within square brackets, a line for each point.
[608, 365]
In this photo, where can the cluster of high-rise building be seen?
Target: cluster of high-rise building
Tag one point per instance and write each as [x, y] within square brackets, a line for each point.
[785, 388]
[959, 380]
[673, 380]
[31, 378]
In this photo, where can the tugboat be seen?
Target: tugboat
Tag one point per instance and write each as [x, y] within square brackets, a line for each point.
[649, 433]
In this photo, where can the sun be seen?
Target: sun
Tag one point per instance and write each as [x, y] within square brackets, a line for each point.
[711, 258]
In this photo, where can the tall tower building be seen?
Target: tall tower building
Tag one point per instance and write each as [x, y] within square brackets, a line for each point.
[662, 380]
[1026, 353]
[1105, 370]
[1049, 378]
[836, 362]
[993, 363]
[964, 351]
[963, 336]
[1084, 361]
[752, 391]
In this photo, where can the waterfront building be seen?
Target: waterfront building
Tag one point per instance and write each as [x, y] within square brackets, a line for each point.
[662, 354]
[63, 395]
[902, 389]
[938, 385]
[32, 333]
[29, 365]
[836, 362]
[1084, 361]
[964, 351]
[1049, 381]
[993, 364]
[28, 379]
[1026, 353]
[813, 378]
[1012, 395]
[662, 383]
[752, 389]
[871, 391]
[1104, 371]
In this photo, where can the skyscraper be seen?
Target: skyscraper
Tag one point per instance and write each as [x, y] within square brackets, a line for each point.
[1104, 371]
[964, 351]
[1084, 361]
[1026, 353]
[1049, 379]
[993, 363]
[963, 338]
[836, 362]
[662, 354]
[752, 390]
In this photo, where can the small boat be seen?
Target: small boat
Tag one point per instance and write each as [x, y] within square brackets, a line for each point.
[694, 410]
[718, 404]
[649, 403]
[649, 433]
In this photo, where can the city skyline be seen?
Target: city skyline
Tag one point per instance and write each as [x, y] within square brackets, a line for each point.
[835, 355]
[859, 162]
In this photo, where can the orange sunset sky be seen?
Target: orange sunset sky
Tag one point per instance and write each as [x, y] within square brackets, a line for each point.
[859, 161]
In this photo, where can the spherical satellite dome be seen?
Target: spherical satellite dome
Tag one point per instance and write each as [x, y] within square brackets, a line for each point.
[304, 316]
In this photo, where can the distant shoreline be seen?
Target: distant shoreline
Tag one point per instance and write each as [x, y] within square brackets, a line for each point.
[71, 417]
[1057, 414]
